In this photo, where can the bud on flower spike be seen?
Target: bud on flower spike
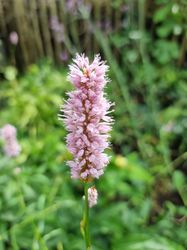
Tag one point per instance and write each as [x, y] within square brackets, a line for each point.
[92, 196]
[85, 115]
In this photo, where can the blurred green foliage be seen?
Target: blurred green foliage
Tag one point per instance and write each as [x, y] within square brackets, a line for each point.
[41, 206]
[142, 195]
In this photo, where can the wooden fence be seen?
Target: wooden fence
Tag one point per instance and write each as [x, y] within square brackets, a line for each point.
[32, 29]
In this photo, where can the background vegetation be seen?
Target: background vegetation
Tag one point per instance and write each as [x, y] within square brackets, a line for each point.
[143, 193]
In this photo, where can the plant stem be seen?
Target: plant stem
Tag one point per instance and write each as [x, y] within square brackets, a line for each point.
[86, 219]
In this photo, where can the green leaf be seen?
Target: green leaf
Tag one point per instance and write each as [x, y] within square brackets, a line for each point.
[179, 180]
[162, 13]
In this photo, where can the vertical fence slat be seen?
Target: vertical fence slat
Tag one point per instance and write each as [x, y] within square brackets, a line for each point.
[33, 16]
[44, 23]
[2, 19]
[57, 44]
[20, 23]
[64, 19]
[74, 29]
[28, 33]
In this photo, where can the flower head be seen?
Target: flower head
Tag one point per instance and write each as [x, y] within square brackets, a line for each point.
[58, 29]
[86, 118]
[92, 196]
[11, 145]
[8, 132]
[64, 56]
[14, 38]
[12, 148]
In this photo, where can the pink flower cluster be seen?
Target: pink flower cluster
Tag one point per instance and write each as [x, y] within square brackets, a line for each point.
[85, 115]
[11, 146]
[14, 38]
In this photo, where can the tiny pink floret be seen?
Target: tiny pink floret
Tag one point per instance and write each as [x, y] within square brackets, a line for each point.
[85, 115]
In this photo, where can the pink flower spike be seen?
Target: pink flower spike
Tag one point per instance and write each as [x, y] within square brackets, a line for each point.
[11, 146]
[8, 132]
[85, 115]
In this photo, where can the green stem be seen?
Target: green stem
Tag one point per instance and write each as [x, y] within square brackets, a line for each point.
[86, 219]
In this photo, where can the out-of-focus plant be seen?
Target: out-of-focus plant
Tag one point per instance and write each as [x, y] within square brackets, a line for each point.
[11, 146]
